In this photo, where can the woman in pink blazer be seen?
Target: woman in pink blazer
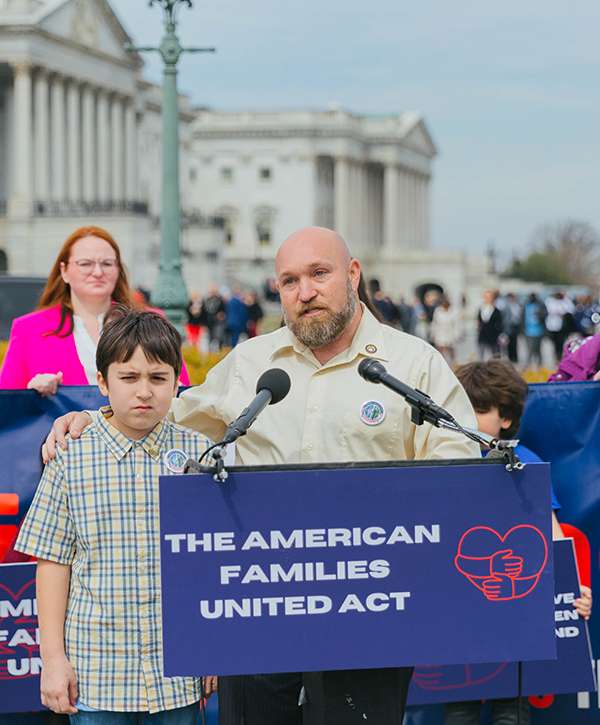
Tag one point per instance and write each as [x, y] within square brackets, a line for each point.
[56, 344]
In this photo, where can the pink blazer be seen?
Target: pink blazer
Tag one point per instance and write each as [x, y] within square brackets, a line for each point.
[30, 353]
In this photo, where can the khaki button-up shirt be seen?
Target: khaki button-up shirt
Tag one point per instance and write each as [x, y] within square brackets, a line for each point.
[325, 416]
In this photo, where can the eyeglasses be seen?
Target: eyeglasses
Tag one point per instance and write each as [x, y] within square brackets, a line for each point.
[87, 265]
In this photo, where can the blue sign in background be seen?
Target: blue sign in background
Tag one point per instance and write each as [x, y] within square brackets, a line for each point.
[25, 420]
[572, 671]
[446, 618]
[20, 662]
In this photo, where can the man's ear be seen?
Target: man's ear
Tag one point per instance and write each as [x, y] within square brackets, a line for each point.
[102, 384]
[506, 423]
[176, 388]
[354, 273]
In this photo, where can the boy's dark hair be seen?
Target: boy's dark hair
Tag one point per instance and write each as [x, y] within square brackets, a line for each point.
[125, 329]
[495, 384]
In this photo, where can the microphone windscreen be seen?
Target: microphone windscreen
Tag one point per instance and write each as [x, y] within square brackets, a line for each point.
[277, 382]
[370, 369]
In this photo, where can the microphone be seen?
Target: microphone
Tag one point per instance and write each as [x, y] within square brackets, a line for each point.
[272, 387]
[424, 409]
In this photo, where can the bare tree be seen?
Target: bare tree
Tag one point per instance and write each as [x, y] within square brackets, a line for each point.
[576, 247]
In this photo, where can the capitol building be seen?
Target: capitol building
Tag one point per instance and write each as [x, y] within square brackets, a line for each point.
[80, 143]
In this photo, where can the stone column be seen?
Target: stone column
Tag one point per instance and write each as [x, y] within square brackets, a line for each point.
[41, 138]
[58, 139]
[353, 236]
[103, 146]
[341, 195]
[402, 209]
[131, 152]
[21, 204]
[410, 210]
[426, 240]
[390, 208]
[88, 145]
[118, 161]
[366, 239]
[74, 141]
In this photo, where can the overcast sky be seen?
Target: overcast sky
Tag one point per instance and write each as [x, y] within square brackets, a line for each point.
[508, 90]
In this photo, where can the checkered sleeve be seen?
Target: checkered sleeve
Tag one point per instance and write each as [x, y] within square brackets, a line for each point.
[47, 531]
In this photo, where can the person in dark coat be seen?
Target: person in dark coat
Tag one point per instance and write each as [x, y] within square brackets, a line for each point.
[489, 324]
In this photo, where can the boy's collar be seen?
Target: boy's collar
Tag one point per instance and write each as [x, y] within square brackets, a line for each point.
[119, 444]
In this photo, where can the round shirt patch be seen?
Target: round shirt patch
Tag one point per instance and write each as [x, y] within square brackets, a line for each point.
[371, 349]
[175, 460]
[372, 412]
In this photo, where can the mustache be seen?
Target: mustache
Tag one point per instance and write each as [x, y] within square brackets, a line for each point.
[308, 307]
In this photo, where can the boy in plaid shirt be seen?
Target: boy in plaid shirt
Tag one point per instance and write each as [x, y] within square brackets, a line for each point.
[94, 527]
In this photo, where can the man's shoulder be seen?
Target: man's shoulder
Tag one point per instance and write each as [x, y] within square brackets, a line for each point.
[262, 346]
[399, 342]
[187, 436]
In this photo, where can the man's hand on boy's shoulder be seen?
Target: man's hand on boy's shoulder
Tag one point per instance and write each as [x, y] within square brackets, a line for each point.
[72, 423]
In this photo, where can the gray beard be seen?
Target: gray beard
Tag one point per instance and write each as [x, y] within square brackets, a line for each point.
[325, 329]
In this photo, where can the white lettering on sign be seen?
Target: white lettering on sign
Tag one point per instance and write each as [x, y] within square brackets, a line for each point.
[307, 571]
[303, 538]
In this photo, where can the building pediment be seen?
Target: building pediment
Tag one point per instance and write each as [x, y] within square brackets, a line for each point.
[417, 137]
[89, 23]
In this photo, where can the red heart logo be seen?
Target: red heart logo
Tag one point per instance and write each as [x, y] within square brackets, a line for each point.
[502, 567]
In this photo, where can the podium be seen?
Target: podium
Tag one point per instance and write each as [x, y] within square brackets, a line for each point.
[351, 567]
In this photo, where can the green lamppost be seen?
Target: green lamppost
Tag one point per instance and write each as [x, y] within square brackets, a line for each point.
[170, 293]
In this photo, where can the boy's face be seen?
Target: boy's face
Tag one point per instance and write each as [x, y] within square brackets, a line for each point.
[140, 393]
[490, 421]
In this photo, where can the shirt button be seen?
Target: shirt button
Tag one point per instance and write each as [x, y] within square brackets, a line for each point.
[142, 568]
[143, 615]
[140, 522]
[145, 658]
[315, 408]
[310, 446]
[140, 476]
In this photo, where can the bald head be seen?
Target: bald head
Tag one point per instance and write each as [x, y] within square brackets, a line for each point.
[318, 281]
[312, 243]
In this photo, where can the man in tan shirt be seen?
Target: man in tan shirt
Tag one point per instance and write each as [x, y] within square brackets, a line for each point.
[330, 414]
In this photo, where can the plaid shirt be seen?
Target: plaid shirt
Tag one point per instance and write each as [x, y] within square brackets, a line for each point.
[96, 510]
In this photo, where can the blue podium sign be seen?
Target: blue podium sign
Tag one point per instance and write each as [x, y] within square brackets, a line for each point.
[305, 570]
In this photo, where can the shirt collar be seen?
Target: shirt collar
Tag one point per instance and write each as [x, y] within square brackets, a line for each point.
[368, 341]
[119, 444]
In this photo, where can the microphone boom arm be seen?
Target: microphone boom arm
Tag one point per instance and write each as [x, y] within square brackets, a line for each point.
[423, 409]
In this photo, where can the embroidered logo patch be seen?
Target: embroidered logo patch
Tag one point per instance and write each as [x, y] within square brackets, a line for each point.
[175, 460]
[371, 349]
[372, 412]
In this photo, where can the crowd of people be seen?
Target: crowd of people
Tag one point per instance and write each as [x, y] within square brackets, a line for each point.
[223, 317]
[508, 326]
[501, 321]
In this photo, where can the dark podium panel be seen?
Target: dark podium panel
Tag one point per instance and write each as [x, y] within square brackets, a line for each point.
[349, 697]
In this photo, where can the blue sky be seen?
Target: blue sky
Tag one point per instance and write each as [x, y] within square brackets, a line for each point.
[508, 90]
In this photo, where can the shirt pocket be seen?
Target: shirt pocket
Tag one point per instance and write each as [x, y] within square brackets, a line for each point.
[363, 442]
